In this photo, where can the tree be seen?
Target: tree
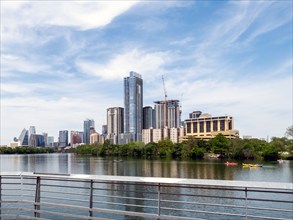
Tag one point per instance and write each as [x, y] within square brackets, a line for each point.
[270, 153]
[220, 144]
[150, 149]
[289, 132]
[165, 148]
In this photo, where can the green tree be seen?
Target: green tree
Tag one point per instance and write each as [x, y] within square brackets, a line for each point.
[150, 149]
[219, 144]
[270, 153]
[165, 148]
[289, 132]
[177, 150]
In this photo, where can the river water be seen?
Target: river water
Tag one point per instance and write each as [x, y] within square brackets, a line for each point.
[190, 169]
[194, 169]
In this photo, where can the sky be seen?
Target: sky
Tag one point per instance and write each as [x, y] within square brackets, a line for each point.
[64, 61]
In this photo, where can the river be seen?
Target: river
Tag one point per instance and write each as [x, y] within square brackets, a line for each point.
[195, 169]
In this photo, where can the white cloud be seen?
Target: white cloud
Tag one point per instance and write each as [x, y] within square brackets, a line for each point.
[78, 14]
[147, 64]
[13, 64]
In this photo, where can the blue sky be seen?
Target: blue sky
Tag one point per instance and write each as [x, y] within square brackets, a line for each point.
[63, 62]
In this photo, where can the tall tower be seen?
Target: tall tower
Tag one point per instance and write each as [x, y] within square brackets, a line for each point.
[133, 102]
[63, 138]
[87, 125]
[148, 117]
[172, 115]
[115, 123]
[24, 138]
[32, 131]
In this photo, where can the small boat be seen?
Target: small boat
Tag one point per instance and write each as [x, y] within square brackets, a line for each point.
[251, 165]
[231, 163]
[280, 161]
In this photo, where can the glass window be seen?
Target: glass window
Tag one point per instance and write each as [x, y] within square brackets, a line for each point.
[208, 126]
[201, 129]
[188, 125]
[194, 127]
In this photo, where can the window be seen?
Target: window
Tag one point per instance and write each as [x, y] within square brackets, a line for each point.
[201, 126]
[188, 126]
[194, 127]
[215, 125]
[208, 126]
[222, 125]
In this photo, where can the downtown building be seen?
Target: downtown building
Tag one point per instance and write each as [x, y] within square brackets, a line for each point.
[24, 138]
[167, 114]
[149, 117]
[63, 138]
[76, 138]
[96, 138]
[115, 124]
[206, 126]
[88, 127]
[167, 123]
[133, 109]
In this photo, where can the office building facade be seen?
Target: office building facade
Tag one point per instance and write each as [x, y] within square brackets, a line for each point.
[37, 140]
[167, 113]
[63, 138]
[157, 134]
[24, 138]
[75, 138]
[133, 106]
[148, 117]
[115, 123]
[206, 126]
[88, 124]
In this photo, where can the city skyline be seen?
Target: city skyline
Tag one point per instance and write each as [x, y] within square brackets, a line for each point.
[225, 57]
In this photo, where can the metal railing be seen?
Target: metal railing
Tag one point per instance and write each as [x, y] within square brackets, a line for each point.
[27, 195]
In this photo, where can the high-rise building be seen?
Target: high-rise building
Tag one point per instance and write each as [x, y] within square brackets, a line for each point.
[87, 125]
[37, 140]
[63, 138]
[51, 141]
[133, 102]
[168, 110]
[148, 117]
[45, 138]
[104, 130]
[24, 138]
[115, 123]
[96, 138]
[32, 130]
[75, 138]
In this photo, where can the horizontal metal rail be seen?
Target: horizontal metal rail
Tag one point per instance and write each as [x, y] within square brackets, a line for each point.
[28, 195]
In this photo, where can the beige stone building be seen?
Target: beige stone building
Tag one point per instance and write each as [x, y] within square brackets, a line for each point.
[156, 135]
[96, 138]
[206, 126]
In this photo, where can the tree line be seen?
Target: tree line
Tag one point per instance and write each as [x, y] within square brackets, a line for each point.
[240, 149]
[26, 150]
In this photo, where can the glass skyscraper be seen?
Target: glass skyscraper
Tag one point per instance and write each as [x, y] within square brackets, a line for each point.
[63, 138]
[24, 138]
[87, 125]
[133, 102]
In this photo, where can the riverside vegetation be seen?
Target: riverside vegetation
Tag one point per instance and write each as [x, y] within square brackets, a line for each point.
[239, 149]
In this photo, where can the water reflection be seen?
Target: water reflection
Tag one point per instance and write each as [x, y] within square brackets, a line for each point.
[199, 169]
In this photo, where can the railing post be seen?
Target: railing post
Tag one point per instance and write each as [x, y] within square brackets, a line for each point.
[37, 197]
[0, 195]
[246, 203]
[91, 199]
[159, 200]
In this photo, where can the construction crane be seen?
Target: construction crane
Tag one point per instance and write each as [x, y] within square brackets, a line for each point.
[165, 103]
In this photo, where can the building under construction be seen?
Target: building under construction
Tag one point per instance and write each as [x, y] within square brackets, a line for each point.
[168, 114]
